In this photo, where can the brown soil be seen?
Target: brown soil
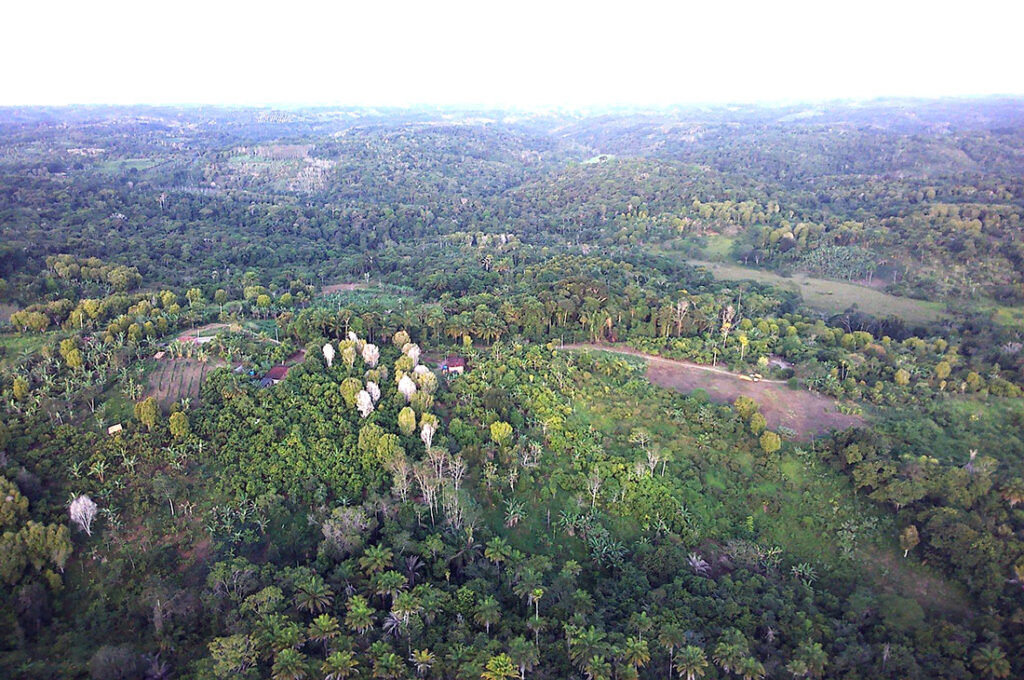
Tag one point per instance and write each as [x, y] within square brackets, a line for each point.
[806, 413]
[174, 379]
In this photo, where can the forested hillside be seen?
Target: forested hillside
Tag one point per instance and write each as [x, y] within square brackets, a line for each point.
[343, 393]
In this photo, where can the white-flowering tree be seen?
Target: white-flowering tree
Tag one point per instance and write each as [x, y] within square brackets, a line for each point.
[407, 387]
[352, 337]
[420, 370]
[374, 390]
[329, 354]
[83, 511]
[427, 434]
[371, 355]
[364, 402]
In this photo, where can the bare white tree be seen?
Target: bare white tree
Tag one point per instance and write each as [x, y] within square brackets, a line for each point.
[371, 355]
[364, 402]
[594, 483]
[407, 387]
[427, 434]
[374, 390]
[329, 354]
[82, 511]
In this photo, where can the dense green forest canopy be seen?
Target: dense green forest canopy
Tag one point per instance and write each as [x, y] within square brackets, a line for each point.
[742, 392]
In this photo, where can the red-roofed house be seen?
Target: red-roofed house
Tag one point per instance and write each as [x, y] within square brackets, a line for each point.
[274, 376]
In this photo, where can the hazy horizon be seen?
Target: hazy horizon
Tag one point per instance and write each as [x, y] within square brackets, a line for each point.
[531, 57]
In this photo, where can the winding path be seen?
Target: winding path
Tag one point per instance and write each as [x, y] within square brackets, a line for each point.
[654, 358]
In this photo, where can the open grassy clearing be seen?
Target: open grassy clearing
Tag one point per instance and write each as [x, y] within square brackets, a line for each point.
[355, 294]
[14, 345]
[833, 297]
[1009, 316]
[342, 287]
[718, 247]
[806, 413]
[798, 503]
[795, 500]
[950, 428]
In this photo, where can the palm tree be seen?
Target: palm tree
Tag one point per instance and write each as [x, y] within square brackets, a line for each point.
[1013, 491]
[730, 650]
[586, 643]
[406, 604]
[524, 654]
[289, 664]
[323, 629]
[375, 559]
[360, 615]
[991, 662]
[389, 583]
[387, 665]
[339, 666]
[597, 668]
[487, 613]
[671, 638]
[536, 624]
[422, 660]
[500, 667]
[497, 551]
[692, 663]
[809, 661]
[637, 653]
[314, 596]
[750, 668]
[533, 597]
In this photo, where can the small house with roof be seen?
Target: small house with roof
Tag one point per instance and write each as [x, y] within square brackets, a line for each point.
[453, 365]
[274, 376]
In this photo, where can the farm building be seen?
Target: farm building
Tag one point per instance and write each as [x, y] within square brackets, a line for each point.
[452, 365]
[274, 376]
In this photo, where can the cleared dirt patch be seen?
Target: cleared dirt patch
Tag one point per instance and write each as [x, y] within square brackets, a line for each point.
[806, 413]
[341, 287]
[174, 379]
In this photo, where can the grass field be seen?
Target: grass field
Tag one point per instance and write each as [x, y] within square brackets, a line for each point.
[833, 296]
[13, 344]
[1009, 316]
[718, 247]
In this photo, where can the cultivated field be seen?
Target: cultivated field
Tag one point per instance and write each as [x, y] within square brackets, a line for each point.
[806, 413]
[174, 379]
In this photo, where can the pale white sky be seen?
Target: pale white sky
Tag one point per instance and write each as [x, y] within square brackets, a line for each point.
[517, 54]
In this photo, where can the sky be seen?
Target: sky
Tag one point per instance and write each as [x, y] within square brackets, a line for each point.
[499, 54]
